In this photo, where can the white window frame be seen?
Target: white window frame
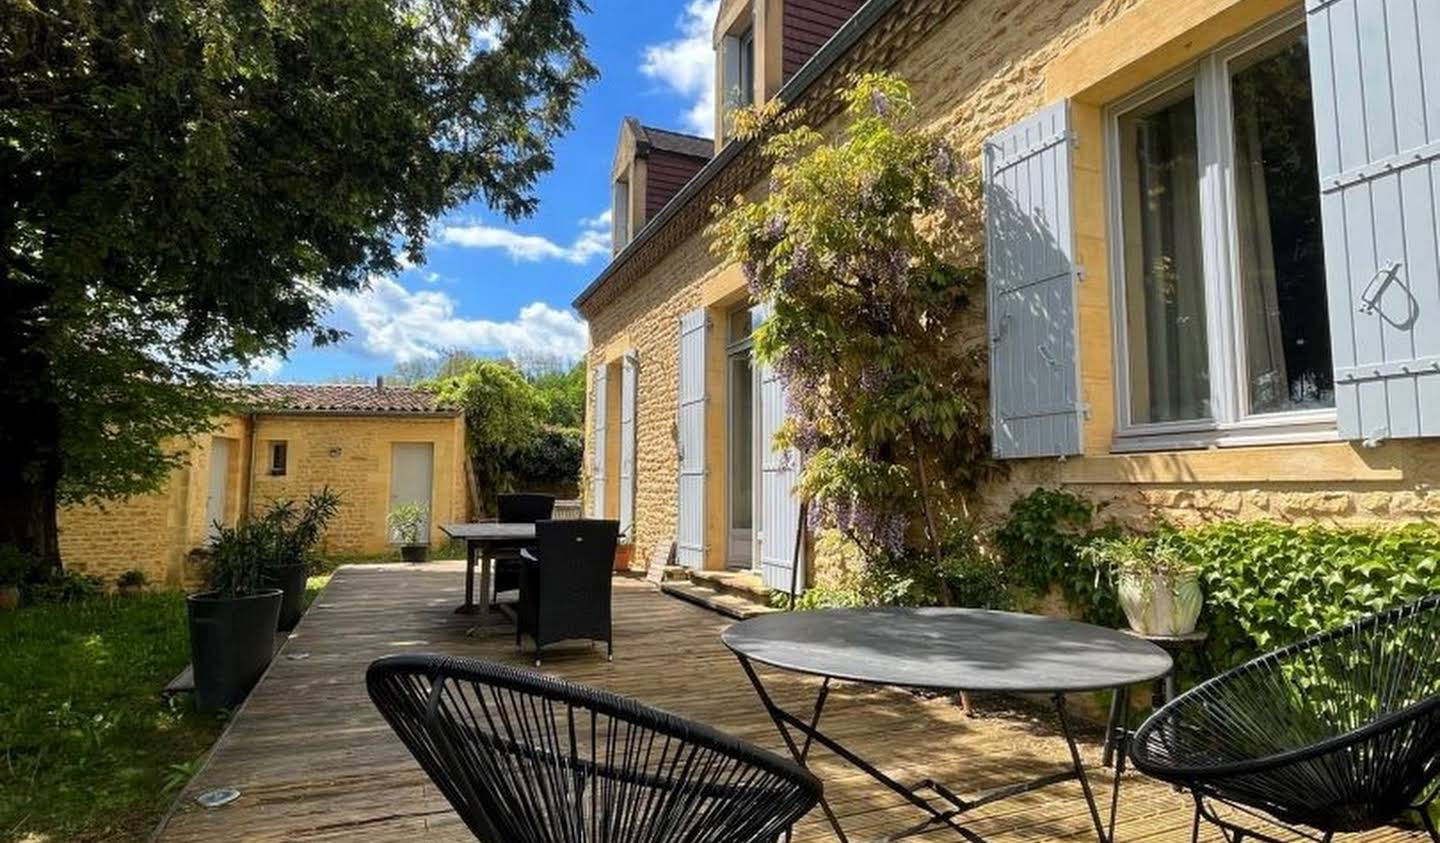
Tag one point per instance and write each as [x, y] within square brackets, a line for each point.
[738, 547]
[1232, 424]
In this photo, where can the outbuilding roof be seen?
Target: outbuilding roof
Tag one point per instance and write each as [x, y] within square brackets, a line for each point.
[346, 399]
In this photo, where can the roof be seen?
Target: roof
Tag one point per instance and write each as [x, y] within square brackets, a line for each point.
[813, 70]
[678, 142]
[345, 399]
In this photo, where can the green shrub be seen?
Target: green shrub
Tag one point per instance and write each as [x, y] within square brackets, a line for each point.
[1266, 584]
[131, 578]
[65, 587]
[552, 458]
[15, 565]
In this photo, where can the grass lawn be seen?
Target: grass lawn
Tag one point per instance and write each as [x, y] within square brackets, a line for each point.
[88, 750]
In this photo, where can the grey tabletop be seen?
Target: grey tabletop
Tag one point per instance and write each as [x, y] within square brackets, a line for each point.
[488, 531]
[949, 649]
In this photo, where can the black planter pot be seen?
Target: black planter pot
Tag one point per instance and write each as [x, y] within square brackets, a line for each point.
[291, 580]
[415, 553]
[231, 642]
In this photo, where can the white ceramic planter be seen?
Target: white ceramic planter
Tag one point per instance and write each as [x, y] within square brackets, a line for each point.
[1161, 605]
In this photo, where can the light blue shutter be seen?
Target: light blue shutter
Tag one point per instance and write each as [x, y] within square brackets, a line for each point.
[779, 473]
[628, 374]
[1375, 73]
[597, 468]
[1030, 262]
[690, 439]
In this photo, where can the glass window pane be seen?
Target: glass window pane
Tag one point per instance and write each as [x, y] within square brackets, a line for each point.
[1169, 361]
[742, 324]
[1277, 211]
[741, 442]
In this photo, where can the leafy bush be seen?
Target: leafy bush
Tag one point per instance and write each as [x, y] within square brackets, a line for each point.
[1266, 584]
[1041, 543]
[504, 414]
[406, 523]
[553, 457]
[133, 578]
[65, 587]
[15, 565]
[295, 529]
[235, 563]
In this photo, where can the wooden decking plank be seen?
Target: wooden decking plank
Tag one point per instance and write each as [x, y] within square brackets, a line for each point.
[315, 762]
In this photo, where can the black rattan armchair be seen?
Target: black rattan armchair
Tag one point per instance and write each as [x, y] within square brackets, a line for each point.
[1337, 733]
[525, 758]
[565, 592]
[517, 508]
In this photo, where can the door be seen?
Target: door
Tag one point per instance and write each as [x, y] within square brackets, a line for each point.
[740, 473]
[628, 386]
[412, 471]
[217, 497]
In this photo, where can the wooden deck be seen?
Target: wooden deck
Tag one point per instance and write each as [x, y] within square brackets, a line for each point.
[314, 761]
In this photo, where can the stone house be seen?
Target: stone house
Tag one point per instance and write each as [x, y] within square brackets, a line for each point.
[1212, 261]
[378, 446]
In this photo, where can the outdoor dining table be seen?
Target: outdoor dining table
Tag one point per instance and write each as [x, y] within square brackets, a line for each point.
[946, 650]
[481, 538]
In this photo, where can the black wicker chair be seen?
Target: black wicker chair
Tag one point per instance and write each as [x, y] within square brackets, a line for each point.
[565, 591]
[517, 508]
[525, 758]
[1337, 733]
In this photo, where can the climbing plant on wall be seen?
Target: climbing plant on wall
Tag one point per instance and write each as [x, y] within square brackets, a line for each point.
[866, 249]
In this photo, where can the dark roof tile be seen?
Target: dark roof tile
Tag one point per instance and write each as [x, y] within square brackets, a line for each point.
[357, 399]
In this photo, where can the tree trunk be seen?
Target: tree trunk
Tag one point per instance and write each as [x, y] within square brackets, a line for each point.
[29, 426]
[932, 529]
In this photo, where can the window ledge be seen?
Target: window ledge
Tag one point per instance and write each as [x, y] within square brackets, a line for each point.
[1315, 461]
[1246, 435]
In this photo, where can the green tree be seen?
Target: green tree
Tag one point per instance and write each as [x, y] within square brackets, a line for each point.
[185, 183]
[563, 391]
[865, 246]
[503, 417]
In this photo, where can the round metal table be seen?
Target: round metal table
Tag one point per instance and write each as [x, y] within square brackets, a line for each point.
[946, 650]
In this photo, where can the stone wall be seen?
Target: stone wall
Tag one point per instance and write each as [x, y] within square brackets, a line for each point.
[986, 64]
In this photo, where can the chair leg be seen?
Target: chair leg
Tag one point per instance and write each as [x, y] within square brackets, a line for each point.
[537, 652]
[1195, 826]
[1429, 821]
[609, 650]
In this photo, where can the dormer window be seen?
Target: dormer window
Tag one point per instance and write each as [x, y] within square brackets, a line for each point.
[738, 85]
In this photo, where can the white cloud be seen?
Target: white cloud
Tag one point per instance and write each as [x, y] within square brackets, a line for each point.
[264, 368]
[392, 322]
[592, 241]
[686, 64]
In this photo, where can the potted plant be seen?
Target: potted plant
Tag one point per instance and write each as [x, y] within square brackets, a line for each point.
[407, 526]
[130, 583]
[294, 532]
[232, 623]
[624, 552]
[14, 565]
[1158, 589]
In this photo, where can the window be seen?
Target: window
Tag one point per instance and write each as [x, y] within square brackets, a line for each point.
[620, 214]
[742, 455]
[1220, 296]
[279, 455]
[738, 81]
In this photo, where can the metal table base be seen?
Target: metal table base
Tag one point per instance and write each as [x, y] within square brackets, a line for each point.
[942, 805]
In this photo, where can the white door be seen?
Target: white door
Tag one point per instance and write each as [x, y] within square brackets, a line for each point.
[217, 497]
[412, 472]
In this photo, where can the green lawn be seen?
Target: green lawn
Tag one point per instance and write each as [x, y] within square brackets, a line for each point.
[88, 751]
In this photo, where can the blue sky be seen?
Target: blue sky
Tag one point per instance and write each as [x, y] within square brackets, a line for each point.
[501, 288]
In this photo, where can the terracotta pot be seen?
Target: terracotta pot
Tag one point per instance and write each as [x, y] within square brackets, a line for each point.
[1159, 604]
[9, 597]
[624, 555]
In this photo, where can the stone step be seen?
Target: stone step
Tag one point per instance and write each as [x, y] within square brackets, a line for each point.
[726, 604]
[743, 584]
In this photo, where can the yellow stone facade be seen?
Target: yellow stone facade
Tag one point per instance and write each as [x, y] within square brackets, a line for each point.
[975, 68]
[350, 453]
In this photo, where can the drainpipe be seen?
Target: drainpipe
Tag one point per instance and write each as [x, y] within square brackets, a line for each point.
[249, 467]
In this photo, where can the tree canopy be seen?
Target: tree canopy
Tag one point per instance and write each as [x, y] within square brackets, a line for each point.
[184, 184]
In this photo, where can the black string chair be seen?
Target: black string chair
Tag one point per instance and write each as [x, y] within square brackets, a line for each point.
[526, 758]
[517, 508]
[1337, 733]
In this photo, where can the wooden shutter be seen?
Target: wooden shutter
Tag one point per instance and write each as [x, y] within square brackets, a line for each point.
[1030, 261]
[597, 466]
[628, 373]
[1375, 74]
[690, 440]
[779, 473]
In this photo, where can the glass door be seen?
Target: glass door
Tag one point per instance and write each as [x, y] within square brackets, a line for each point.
[740, 443]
